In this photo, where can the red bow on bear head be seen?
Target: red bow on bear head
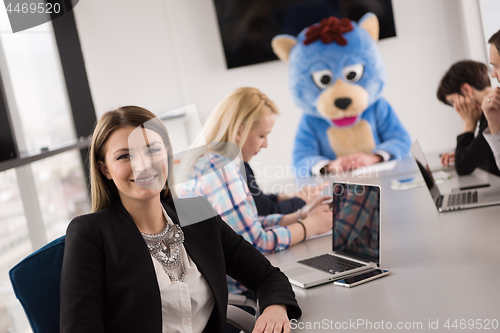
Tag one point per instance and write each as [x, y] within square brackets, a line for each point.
[329, 30]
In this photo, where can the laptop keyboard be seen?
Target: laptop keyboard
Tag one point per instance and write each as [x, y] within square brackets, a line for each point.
[330, 264]
[462, 198]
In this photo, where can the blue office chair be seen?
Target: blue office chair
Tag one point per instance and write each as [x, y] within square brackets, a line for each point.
[36, 280]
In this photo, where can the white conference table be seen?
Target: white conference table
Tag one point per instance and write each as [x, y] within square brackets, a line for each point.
[446, 266]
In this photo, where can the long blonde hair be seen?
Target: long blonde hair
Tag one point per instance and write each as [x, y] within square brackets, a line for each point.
[102, 190]
[242, 107]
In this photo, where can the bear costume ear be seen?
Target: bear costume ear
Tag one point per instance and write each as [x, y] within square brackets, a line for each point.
[369, 22]
[282, 45]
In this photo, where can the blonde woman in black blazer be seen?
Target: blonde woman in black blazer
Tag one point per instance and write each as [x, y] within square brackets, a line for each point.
[110, 279]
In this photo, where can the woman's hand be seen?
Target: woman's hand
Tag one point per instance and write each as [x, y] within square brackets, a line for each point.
[319, 221]
[316, 203]
[273, 319]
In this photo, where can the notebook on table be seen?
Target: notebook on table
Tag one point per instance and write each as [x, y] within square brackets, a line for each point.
[461, 199]
[355, 238]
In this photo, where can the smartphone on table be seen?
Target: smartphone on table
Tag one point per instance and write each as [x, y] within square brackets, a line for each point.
[353, 281]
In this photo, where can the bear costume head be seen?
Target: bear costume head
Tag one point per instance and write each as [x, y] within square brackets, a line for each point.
[336, 71]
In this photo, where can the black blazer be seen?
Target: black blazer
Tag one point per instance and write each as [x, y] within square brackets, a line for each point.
[109, 284]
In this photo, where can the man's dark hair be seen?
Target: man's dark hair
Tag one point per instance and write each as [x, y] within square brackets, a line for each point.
[467, 71]
[495, 40]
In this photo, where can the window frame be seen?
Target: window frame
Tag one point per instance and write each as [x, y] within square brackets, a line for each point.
[79, 95]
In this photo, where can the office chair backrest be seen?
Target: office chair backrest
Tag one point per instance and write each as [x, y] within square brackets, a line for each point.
[36, 280]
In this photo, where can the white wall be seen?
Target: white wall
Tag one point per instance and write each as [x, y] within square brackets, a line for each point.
[429, 39]
[490, 24]
[165, 54]
[128, 55]
[473, 13]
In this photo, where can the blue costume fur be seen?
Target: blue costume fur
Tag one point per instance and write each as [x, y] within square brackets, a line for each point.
[339, 88]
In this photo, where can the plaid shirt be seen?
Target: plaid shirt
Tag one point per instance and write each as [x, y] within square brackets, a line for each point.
[221, 182]
[357, 221]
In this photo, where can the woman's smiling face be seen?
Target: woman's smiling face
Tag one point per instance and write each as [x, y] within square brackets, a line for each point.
[136, 161]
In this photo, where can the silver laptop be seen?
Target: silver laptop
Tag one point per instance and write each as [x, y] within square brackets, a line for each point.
[355, 238]
[460, 199]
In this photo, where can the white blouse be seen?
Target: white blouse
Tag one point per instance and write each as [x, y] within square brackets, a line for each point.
[186, 305]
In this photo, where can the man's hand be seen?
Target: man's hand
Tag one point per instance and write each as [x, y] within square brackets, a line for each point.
[491, 109]
[353, 161]
[447, 158]
[469, 111]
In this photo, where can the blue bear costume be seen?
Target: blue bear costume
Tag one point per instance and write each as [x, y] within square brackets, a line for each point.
[336, 77]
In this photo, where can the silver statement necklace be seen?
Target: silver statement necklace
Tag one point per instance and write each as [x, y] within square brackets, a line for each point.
[166, 248]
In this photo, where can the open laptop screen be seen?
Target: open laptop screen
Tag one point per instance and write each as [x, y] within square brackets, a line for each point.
[419, 156]
[356, 214]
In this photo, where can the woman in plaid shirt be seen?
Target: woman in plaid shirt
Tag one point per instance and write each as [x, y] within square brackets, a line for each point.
[242, 121]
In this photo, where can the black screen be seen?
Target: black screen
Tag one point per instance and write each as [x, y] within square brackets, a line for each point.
[248, 26]
[363, 276]
[419, 156]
